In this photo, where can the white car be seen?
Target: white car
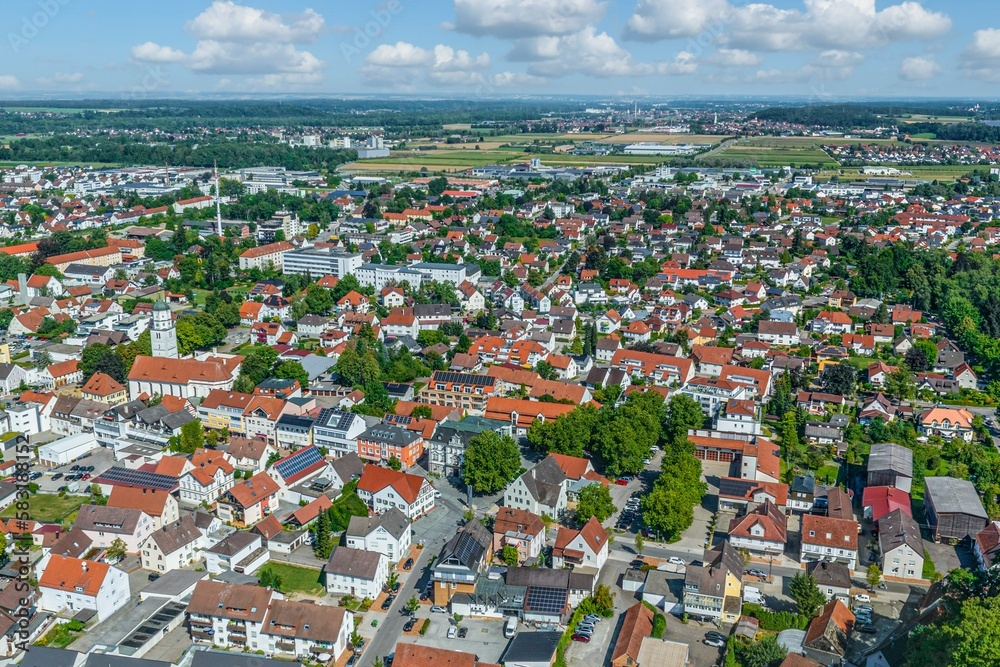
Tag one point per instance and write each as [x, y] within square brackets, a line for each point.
[452, 632]
[437, 494]
[862, 598]
[674, 560]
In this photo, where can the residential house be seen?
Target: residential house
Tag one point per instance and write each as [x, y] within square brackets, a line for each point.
[70, 585]
[714, 589]
[830, 539]
[986, 546]
[356, 572]
[901, 547]
[384, 442]
[242, 552]
[172, 547]
[833, 579]
[383, 488]
[250, 501]
[103, 525]
[949, 423]
[520, 529]
[156, 503]
[388, 533]
[462, 560]
[826, 636]
[764, 530]
[583, 548]
[637, 625]
[540, 490]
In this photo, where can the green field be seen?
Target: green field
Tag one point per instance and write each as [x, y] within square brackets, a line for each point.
[296, 579]
[929, 172]
[48, 507]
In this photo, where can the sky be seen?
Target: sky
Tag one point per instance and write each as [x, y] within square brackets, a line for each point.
[816, 49]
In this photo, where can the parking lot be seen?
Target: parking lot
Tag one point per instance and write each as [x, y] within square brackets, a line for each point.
[101, 459]
[484, 639]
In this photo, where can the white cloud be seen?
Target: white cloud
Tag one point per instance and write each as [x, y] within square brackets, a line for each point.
[837, 58]
[525, 18]
[508, 79]
[60, 79]
[214, 57]
[735, 58]
[665, 19]
[404, 64]
[830, 24]
[150, 52]
[585, 52]
[9, 81]
[981, 57]
[241, 40]
[819, 24]
[226, 21]
[918, 68]
[683, 63]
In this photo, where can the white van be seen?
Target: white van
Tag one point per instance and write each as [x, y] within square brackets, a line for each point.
[510, 627]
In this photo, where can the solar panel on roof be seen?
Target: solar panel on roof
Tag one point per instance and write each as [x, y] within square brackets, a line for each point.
[119, 475]
[298, 462]
[463, 378]
[734, 487]
[546, 600]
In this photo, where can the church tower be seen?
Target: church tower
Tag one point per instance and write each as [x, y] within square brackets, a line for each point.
[163, 333]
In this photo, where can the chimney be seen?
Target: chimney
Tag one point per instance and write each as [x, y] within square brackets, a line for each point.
[83, 565]
[22, 287]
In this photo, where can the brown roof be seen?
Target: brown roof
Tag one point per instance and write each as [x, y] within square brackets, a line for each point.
[768, 517]
[151, 501]
[68, 574]
[413, 655]
[835, 613]
[827, 532]
[269, 249]
[511, 519]
[236, 601]
[304, 621]
[183, 371]
[573, 466]
[310, 511]
[101, 384]
[268, 527]
[224, 397]
[254, 490]
[375, 478]
[637, 625]
[63, 368]
[247, 448]
[712, 355]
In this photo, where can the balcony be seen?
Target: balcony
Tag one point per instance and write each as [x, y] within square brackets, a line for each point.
[201, 634]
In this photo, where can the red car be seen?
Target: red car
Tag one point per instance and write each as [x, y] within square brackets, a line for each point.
[86, 476]
[622, 482]
[581, 638]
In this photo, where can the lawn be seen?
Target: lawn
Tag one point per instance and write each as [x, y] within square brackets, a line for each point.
[296, 579]
[61, 635]
[344, 507]
[48, 507]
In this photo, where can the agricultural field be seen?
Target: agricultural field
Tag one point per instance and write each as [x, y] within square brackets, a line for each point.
[778, 152]
[65, 110]
[924, 118]
[663, 138]
[928, 172]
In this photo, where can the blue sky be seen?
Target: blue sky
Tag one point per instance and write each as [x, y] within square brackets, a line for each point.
[801, 48]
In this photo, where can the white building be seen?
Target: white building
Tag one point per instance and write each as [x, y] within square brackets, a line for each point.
[356, 572]
[164, 334]
[388, 534]
[66, 450]
[71, 585]
[174, 546]
[319, 262]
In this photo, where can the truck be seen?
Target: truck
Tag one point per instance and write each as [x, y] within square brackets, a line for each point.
[752, 595]
[510, 627]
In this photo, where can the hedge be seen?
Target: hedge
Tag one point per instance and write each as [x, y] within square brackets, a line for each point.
[659, 621]
[776, 621]
[426, 624]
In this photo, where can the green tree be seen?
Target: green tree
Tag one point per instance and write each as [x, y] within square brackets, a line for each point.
[807, 595]
[594, 501]
[492, 461]
[568, 434]
[192, 437]
[683, 413]
[90, 357]
[321, 542]
[395, 463]
[765, 652]
[292, 370]
[640, 544]
[509, 555]
[604, 598]
[873, 575]
[269, 579]
[413, 604]
[116, 550]
[839, 378]
[256, 367]
[969, 637]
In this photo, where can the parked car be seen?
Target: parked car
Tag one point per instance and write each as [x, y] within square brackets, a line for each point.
[760, 574]
[153, 576]
[861, 608]
[74, 468]
[674, 560]
[353, 660]
[592, 617]
[463, 633]
[712, 634]
[452, 632]
[867, 628]
[409, 624]
[86, 476]
[581, 638]
[35, 475]
[408, 564]
[388, 602]
[56, 476]
[439, 609]
[863, 598]
[712, 641]
[621, 482]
